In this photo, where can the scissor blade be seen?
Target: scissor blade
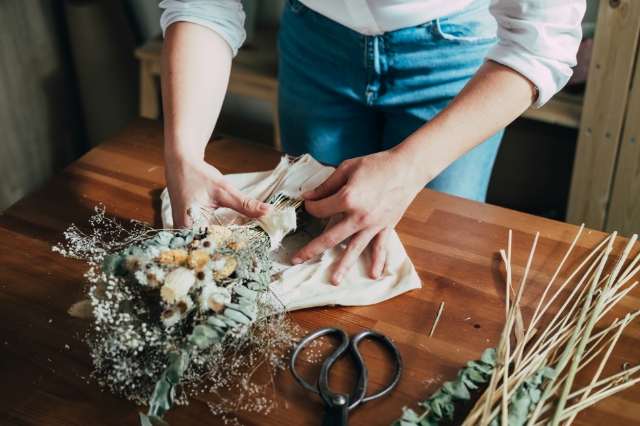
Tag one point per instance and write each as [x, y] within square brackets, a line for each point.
[336, 415]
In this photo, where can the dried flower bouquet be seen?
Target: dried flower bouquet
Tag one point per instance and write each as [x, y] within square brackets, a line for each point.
[187, 309]
[533, 382]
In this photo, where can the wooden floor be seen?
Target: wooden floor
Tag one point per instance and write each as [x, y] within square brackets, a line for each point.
[453, 243]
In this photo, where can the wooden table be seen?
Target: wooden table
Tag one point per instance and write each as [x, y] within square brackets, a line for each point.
[453, 243]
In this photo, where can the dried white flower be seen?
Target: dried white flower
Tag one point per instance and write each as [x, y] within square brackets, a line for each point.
[218, 263]
[214, 297]
[204, 277]
[177, 284]
[171, 317]
[208, 245]
[185, 304]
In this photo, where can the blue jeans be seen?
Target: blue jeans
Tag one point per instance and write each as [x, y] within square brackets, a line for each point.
[344, 95]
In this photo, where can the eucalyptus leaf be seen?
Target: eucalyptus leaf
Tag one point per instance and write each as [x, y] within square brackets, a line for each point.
[216, 322]
[227, 320]
[164, 237]
[173, 375]
[113, 264]
[409, 415]
[489, 356]
[249, 311]
[157, 421]
[144, 420]
[177, 242]
[158, 397]
[457, 390]
[245, 292]
[237, 316]
[255, 286]
[243, 301]
[440, 405]
[201, 341]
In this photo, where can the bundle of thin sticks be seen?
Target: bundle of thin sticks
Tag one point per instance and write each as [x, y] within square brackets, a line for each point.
[534, 380]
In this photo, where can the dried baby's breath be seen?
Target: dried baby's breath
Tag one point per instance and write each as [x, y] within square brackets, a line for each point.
[163, 329]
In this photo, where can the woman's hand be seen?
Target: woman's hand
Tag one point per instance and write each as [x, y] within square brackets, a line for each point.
[372, 193]
[200, 183]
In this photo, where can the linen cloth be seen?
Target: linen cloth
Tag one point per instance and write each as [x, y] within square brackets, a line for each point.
[537, 38]
[309, 284]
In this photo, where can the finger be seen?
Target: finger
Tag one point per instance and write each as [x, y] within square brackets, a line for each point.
[330, 238]
[379, 255]
[356, 246]
[229, 196]
[330, 186]
[326, 207]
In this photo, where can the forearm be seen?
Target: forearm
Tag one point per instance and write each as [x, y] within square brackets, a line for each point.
[195, 72]
[494, 97]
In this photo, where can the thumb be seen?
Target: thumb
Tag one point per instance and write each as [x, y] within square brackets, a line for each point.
[243, 204]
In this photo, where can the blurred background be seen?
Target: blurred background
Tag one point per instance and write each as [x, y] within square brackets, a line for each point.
[73, 72]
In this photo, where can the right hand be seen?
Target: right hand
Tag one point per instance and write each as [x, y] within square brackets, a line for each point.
[202, 184]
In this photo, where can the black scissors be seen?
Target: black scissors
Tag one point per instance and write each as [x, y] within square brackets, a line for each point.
[339, 404]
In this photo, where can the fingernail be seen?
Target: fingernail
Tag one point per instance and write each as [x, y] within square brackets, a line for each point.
[307, 194]
[338, 279]
[296, 261]
[263, 207]
[378, 272]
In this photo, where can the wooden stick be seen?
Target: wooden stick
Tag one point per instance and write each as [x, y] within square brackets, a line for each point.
[535, 318]
[584, 337]
[569, 347]
[505, 377]
[504, 341]
[597, 397]
[577, 287]
[601, 366]
[437, 319]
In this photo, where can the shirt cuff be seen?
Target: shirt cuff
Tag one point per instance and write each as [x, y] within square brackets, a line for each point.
[230, 27]
[548, 75]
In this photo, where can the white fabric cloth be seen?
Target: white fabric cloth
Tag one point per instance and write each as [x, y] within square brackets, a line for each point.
[537, 38]
[308, 284]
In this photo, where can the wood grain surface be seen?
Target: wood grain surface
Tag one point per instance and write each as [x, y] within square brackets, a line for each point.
[624, 208]
[454, 244]
[605, 101]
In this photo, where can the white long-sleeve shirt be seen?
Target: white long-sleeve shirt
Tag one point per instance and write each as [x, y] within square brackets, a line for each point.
[537, 38]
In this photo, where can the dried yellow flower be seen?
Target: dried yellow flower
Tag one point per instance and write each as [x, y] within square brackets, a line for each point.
[193, 245]
[230, 265]
[218, 233]
[175, 256]
[237, 245]
[197, 259]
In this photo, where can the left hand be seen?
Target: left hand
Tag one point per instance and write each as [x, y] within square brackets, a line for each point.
[373, 193]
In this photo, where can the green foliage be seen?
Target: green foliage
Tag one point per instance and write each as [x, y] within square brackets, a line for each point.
[440, 404]
[113, 264]
[525, 398]
[213, 331]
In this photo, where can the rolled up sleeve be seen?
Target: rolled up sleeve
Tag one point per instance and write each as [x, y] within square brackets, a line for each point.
[225, 17]
[539, 39]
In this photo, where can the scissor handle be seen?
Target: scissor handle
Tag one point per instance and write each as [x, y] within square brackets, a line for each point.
[358, 395]
[344, 344]
[328, 396]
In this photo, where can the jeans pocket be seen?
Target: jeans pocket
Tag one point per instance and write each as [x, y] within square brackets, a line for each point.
[296, 6]
[475, 26]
